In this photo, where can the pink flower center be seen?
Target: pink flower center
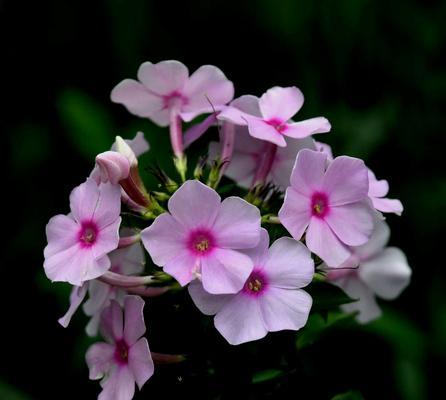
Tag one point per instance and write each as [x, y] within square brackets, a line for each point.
[279, 125]
[319, 205]
[256, 283]
[121, 352]
[174, 99]
[201, 241]
[88, 233]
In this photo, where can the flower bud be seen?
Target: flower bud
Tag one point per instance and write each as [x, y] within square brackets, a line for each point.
[113, 166]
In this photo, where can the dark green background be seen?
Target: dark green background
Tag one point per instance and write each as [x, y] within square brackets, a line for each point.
[375, 68]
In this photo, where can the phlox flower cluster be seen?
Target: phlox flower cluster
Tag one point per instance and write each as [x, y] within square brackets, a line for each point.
[209, 229]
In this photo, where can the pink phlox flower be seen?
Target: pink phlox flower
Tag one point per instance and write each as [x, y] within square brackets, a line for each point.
[329, 203]
[377, 190]
[269, 118]
[79, 243]
[380, 271]
[167, 86]
[124, 359]
[202, 237]
[271, 299]
[248, 153]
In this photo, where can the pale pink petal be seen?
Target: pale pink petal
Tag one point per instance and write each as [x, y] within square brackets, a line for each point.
[120, 385]
[366, 306]
[108, 206]
[326, 149]
[387, 274]
[285, 309]
[207, 303]
[206, 90]
[285, 159]
[377, 188]
[164, 239]
[161, 117]
[288, 264]
[196, 131]
[129, 260]
[248, 104]
[234, 115]
[140, 362]
[182, 266]
[308, 172]
[346, 181]
[99, 359]
[107, 239]
[164, 77]
[134, 326]
[195, 205]
[308, 127]
[61, 233]
[237, 225]
[241, 320]
[138, 144]
[84, 200]
[388, 205]
[281, 103]
[264, 131]
[225, 271]
[377, 241]
[259, 253]
[76, 297]
[112, 327]
[295, 213]
[321, 240]
[352, 223]
[136, 98]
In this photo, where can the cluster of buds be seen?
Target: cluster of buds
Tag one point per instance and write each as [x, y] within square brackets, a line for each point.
[218, 248]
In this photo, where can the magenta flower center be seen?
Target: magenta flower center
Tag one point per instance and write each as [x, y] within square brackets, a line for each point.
[174, 99]
[88, 233]
[255, 284]
[319, 205]
[121, 352]
[279, 125]
[201, 241]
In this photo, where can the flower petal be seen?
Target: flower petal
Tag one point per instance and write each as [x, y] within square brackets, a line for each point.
[259, 129]
[288, 264]
[207, 303]
[140, 362]
[134, 326]
[388, 205]
[107, 239]
[120, 385]
[99, 359]
[285, 309]
[259, 253]
[321, 240]
[308, 127]
[308, 172]
[182, 267]
[136, 98]
[83, 200]
[352, 223]
[112, 326]
[376, 243]
[108, 206]
[387, 274]
[281, 103]
[207, 90]
[164, 77]
[295, 213]
[346, 181]
[237, 225]
[164, 239]
[195, 205]
[61, 232]
[76, 297]
[241, 320]
[138, 144]
[225, 271]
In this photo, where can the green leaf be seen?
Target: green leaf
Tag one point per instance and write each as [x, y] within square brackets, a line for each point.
[266, 375]
[350, 395]
[11, 393]
[87, 123]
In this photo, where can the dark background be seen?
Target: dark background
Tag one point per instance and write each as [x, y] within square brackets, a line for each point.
[375, 69]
